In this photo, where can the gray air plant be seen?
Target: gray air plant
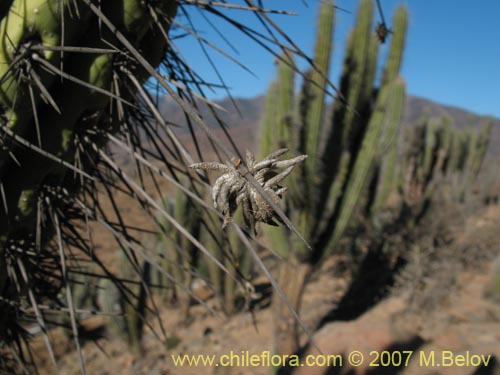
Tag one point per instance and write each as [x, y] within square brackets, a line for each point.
[232, 189]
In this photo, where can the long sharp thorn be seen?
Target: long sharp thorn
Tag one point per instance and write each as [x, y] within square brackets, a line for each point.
[69, 297]
[76, 80]
[276, 287]
[39, 316]
[35, 117]
[48, 155]
[43, 90]
[4, 199]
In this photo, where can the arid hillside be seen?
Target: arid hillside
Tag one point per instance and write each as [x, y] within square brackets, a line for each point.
[245, 115]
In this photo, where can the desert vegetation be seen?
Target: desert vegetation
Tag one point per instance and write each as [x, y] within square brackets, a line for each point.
[112, 212]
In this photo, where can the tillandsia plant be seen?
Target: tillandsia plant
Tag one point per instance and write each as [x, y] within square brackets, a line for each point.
[78, 91]
[231, 189]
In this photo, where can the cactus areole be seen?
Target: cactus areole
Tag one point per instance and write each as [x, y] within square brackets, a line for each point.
[66, 69]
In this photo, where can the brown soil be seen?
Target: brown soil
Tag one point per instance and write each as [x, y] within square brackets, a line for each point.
[465, 319]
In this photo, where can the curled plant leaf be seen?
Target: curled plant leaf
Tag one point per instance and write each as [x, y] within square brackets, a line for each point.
[232, 189]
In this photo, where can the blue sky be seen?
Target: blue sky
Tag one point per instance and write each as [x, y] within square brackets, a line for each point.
[452, 53]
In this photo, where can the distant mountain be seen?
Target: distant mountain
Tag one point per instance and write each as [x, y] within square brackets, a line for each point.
[243, 116]
[416, 106]
[238, 112]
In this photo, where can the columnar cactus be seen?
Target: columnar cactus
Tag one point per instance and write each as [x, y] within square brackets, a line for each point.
[182, 260]
[127, 302]
[353, 135]
[342, 148]
[439, 155]
[388, 170]
[230, 285]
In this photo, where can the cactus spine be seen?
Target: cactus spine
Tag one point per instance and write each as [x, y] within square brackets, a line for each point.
[180, 255]
[183, 261]
[230, 286]
[61, 97]
[127, 299]
[50, 98]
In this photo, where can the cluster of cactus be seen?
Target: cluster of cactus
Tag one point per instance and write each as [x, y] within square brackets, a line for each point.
[186, 263]
[126, 301]
[343, 148]
[437, 154]
[179, 255]
[490, 184]
[231, 285]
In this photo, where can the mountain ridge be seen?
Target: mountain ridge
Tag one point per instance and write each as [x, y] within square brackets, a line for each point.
[246, 113]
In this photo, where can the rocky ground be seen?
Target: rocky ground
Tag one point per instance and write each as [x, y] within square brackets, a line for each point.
[447, 309]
